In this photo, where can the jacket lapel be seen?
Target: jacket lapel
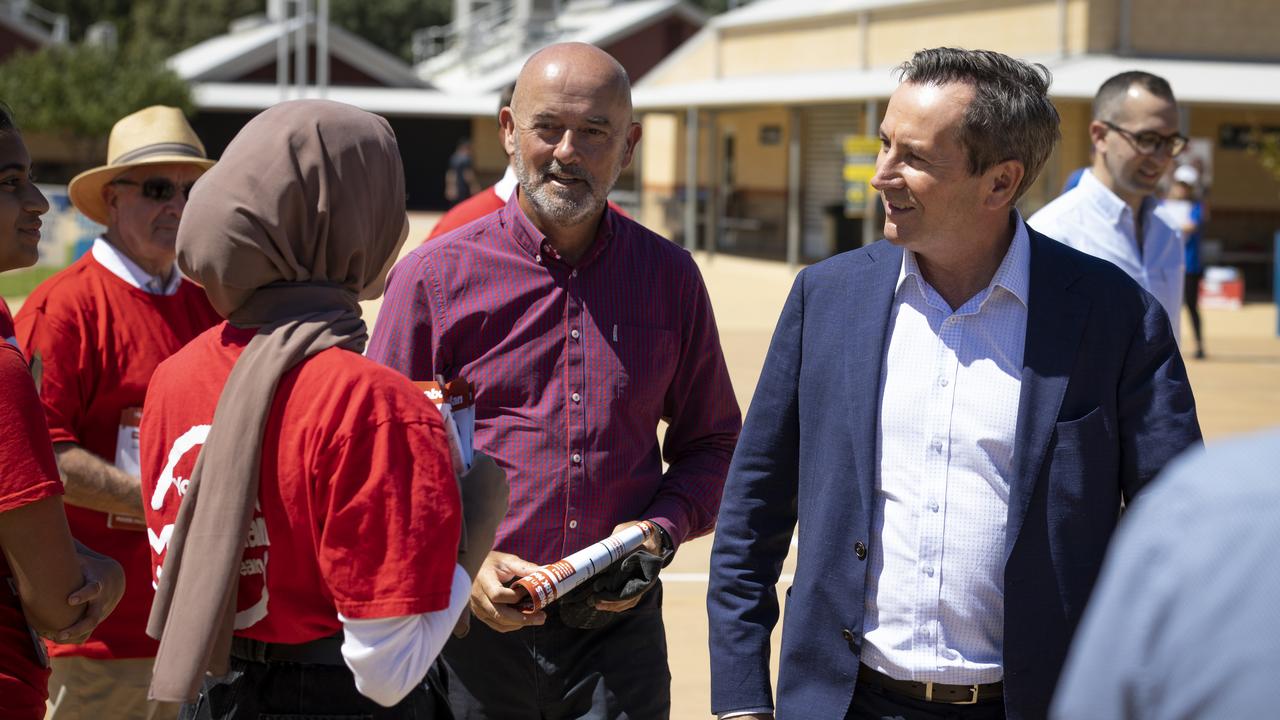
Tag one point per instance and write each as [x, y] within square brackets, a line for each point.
[869, 298]
[1056, 319]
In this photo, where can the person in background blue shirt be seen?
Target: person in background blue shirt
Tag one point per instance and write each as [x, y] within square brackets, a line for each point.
[1189, 212]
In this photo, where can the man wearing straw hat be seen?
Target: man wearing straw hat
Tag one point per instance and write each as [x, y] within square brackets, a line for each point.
[94, 333]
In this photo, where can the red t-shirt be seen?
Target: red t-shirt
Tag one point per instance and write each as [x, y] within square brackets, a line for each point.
[476, 207]
[358, 510]
[27, 474]
[93, 341]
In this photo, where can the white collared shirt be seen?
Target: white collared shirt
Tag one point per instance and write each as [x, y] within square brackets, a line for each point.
[110, 257]
[1094, 220]
[949, 393]
[507, 184]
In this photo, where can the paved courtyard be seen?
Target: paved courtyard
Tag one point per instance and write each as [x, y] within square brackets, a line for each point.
[1237, 389]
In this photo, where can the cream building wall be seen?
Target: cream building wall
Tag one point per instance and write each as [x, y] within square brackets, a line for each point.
[1246, 199]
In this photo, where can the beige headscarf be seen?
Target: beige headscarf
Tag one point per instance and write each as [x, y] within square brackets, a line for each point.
[302, 212]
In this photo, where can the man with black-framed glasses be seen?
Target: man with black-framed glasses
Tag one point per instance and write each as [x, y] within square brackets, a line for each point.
[1113, 212]
[94, 334]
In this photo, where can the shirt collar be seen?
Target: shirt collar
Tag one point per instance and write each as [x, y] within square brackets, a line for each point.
[119, 264]
[506, 185]
[534, 243]
[1106, 201]
[1013, 274]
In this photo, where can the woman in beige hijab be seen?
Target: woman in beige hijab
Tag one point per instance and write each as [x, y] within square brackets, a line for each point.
[302, 504]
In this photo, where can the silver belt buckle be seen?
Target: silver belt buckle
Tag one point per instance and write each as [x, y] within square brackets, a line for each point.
[973, 695]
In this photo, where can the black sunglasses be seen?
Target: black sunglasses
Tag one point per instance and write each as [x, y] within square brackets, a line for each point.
[158, 189]
[1149, 142]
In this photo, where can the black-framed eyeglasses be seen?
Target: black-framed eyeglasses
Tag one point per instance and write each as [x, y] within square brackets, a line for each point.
[158, 189]
[1150, 142]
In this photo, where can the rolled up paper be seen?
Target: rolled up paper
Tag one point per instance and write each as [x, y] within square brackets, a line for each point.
[544, 585]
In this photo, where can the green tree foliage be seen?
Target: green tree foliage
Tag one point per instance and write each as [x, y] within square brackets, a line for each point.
[168, 26]
[82, 91]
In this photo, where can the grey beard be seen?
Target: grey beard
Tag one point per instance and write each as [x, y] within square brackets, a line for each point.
[563, 211]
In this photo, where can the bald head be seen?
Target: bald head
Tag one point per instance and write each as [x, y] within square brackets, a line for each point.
[573, 70]
[569, 133]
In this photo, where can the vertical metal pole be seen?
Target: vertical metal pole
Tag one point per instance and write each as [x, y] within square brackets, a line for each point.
[282, 50]
[322, 48]
[712, 211]
[794, 211]
[691, 179]
[1275, 280]
[300, 51]
[1062, 29]
[1124, 45]
[871, 124]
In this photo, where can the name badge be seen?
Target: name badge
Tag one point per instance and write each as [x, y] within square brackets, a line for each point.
[129, 460]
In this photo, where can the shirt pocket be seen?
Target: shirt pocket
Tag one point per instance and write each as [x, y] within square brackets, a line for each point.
[642, 363]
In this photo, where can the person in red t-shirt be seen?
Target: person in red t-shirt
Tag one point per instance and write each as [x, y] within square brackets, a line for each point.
[285, 474]
[39, 567]
[94, 333]
[491, 198]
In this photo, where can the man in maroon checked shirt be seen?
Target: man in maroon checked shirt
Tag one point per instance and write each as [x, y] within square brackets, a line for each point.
[581, 330]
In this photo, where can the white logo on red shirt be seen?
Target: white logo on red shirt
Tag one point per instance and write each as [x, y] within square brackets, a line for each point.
[252, 595]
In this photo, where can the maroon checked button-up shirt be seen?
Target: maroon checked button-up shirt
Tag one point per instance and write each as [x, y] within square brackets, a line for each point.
[573, 367]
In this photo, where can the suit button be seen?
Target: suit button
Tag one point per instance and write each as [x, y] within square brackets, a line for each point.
[860, 550]
[847, 634]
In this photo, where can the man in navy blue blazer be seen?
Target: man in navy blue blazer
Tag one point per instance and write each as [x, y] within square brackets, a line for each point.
[954, 416]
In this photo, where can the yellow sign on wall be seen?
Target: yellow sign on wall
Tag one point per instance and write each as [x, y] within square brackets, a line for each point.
[860, 153]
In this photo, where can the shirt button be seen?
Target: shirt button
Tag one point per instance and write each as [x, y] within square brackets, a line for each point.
[933, 505]
[573, 524]
[573, 274]
[928, 570]
[577, 459]
[942, 382]
[860, 550]
[576, 397]
[575, 334]
[936, 445]
[537, 258]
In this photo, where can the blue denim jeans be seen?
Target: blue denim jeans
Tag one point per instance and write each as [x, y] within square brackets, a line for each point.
[291, 691]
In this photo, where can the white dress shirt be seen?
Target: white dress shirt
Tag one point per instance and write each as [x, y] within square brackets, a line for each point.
[949, 395]
[1094, 220]
[119, 264]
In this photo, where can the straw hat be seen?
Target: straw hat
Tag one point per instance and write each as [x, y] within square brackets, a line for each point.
[158, 134]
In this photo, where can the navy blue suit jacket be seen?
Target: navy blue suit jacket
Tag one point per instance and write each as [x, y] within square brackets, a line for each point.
[1105, 404]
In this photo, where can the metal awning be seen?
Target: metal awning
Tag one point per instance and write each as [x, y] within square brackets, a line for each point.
[413, 102]
[1077, 78]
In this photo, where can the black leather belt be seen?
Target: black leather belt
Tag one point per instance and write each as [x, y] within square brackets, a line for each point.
[932, 691]
[325, 651]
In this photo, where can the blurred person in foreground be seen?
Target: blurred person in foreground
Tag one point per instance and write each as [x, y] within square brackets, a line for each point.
[953, 416]
[304, 497]
[1183, 621]
[492, 198]
[581, 331]
[46, 578]
[1113, 212]
[94, 333]
[1185, 208]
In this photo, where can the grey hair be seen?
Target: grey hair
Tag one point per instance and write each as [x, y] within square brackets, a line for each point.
[1010, 116]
